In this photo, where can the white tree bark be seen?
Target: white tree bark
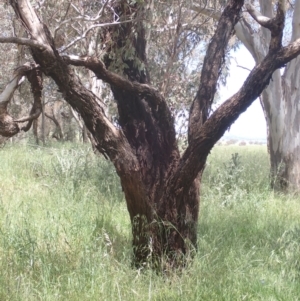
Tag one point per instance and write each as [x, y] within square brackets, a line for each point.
[280, 100]
[282, 111]
[284, 140]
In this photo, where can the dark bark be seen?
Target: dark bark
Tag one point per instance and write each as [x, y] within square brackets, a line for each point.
[160, 186]
[212, 66]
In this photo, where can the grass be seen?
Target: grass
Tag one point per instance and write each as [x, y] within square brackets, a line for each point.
[65, 231]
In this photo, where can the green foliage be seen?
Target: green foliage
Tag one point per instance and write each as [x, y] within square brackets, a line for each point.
[66, 235]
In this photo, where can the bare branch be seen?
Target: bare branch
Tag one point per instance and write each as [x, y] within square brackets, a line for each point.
[8, 127]
[211, 13]
[159, 108]
[23, 41]
[35, 78]
[258, 17]
[242, 67]
[10, 88]
[83, 36]
[82, 17]
[32, 23]
[29, 118]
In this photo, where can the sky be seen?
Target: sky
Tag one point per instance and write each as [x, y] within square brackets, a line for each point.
[251, 124]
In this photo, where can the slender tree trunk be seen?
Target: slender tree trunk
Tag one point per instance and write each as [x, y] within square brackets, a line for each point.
[43, 122]
[85, 138]
[58, 133]
[35, 131]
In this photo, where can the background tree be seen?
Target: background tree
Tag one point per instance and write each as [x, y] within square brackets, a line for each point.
[161, 186]
[280, 98]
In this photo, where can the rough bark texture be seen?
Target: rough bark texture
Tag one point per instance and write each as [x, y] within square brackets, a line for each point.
[279, 99]
[161, 186]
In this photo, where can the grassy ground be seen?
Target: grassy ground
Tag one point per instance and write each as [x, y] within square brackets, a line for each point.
[65, 232]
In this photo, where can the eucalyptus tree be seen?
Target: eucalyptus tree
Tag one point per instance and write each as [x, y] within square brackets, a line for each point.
[281, 97]
[161, 185]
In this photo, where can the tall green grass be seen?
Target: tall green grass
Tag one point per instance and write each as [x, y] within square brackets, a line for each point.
[65, 232]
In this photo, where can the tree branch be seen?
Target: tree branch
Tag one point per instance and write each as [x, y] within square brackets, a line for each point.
[82, 17]
[211, 70]
[214, 128]
[109, 139]
[152, 96]
[258, 17]
[83, 36]
[209, 12]
[243, 32]
[58, 127]
[275, 25]
[23, 41]
[8, 127]
[31, 117]
[36, 81]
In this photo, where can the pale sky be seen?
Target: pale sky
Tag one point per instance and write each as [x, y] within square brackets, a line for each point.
[251, 124]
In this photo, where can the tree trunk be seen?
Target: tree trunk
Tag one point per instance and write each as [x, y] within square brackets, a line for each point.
[43, 127]
[279, 99]
[280, 105]
[85, 138]
[35, 131]
[283, 116]
[161, 186]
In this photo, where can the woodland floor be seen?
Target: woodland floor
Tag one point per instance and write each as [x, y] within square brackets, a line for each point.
[65, 231]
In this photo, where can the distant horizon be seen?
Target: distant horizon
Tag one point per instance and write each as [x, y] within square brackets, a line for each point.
[243, 138]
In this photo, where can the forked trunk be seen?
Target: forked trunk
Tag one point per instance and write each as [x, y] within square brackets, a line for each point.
[164, 220]
[161, 186]
[165, 231]
[283, 119]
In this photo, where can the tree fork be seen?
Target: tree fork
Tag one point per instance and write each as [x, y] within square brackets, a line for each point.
[160, 186]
